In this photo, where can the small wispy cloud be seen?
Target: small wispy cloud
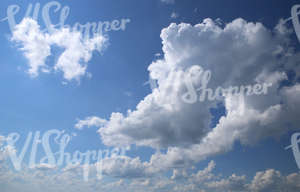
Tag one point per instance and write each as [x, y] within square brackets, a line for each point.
[174, 15]
[90, 122]
[168, 1]
[128, 93]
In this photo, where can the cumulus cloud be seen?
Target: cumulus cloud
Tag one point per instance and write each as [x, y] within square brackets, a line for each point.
[241, 53]
[273, 180]
[36, 46]
[124, 167]
[130, 174]
[263, 181]
[162, 119]
[233, 184]
[205, 174]
[208, 180]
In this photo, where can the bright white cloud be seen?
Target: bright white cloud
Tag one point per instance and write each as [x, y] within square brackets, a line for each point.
[243, 51]
[90, 122]
[36, 45]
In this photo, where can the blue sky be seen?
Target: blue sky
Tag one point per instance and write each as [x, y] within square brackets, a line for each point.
[118, 83]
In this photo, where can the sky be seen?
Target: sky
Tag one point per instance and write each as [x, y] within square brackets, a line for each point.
[126, 86]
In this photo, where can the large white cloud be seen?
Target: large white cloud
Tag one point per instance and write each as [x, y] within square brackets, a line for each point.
[241, 53]
[36, 45]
